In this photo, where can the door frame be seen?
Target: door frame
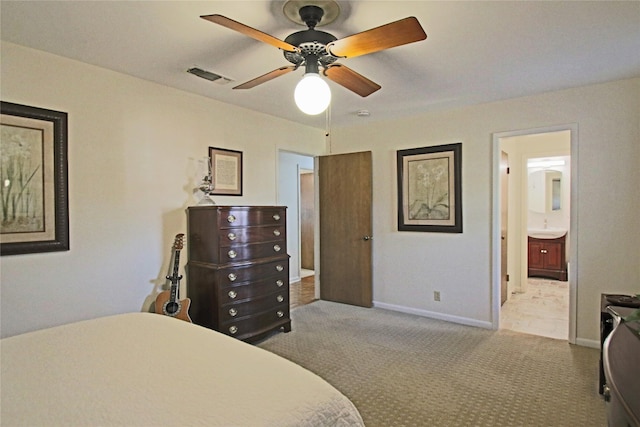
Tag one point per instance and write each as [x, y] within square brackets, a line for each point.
[279, 195]
[496, 222]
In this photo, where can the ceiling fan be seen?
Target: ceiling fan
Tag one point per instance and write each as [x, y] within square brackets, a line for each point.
[319, 50]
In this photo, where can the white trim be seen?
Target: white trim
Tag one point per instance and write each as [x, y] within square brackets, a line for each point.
[434, 315]
[587, 343]
[573, 240]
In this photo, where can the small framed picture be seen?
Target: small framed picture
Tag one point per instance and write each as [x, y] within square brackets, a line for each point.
[33, 188]
[430, 189]
[226, 171]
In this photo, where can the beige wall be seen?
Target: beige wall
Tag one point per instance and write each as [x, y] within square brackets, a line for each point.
[409, 266]
[133, 149]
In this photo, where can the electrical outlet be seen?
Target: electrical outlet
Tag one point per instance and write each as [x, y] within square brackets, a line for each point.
[436, 295]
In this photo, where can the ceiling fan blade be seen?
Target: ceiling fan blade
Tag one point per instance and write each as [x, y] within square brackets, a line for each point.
[398, 33]
[266, 77]
[248, 31]
[348, 78]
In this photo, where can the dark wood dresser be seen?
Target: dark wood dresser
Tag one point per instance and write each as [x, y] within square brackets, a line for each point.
[238, 269]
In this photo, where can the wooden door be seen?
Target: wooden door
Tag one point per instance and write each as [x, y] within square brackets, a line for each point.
[345, 184]
[307, 214]
[504, 209]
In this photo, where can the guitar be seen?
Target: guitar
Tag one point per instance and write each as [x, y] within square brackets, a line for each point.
[167, 302]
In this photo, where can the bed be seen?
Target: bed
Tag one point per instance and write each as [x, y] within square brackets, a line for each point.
[144, 369]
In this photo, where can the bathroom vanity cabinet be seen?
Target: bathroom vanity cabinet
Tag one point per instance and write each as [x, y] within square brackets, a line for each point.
[547, 258]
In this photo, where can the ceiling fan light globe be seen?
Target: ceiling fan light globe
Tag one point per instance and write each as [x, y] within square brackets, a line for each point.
[312, 94]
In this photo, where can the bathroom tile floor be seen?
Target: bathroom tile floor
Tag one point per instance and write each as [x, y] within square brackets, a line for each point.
[542, 310]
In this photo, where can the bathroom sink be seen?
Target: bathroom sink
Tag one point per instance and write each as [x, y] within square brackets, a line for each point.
[546, 233]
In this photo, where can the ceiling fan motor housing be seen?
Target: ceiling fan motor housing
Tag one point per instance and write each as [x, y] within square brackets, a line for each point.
[311, 43]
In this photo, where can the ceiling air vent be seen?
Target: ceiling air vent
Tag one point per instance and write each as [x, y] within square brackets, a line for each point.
[208, 75]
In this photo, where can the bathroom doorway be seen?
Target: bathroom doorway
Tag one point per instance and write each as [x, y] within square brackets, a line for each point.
[540, 299]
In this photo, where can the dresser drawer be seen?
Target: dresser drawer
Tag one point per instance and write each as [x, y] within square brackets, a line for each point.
[258, 323]
[278, 269]
[239, 309]
[208, 275]
[242, 291]
[238, 253]
[259, 234]
[242, 216]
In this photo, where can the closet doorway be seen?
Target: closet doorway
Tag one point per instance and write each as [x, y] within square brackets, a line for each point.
[296, 190]
[536, 302]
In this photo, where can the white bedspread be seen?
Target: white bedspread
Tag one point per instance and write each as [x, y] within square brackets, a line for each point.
[143, 369]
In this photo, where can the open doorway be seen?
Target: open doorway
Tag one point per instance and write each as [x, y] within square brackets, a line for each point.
[303, 292]
[296, 191]
[541, 299]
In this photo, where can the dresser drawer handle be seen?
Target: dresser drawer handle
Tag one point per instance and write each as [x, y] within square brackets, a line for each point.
[280, 313]
[276, 232]
[231, 236]
[276, 248]
[232, 294]
[231, 219]
[232, 254]
[280, 298]
[279, 267]
[233, 312]
[276, 217]
[233, 330]
[232, 277]
[279, 283]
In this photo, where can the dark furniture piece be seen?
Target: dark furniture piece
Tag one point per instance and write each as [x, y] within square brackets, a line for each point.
[621, 361]
[607, 324]
[547, 258]
[238, 269]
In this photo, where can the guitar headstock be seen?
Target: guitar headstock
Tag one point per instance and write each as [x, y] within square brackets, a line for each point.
[179, 241]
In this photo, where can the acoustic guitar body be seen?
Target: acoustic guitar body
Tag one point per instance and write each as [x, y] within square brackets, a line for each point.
[177, 309]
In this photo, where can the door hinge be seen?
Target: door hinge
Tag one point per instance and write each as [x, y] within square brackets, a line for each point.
[507, 277]
[508, 170]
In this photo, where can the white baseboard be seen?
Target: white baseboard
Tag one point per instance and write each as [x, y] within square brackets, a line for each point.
[463, 320]
[587, 343]
[434, 315]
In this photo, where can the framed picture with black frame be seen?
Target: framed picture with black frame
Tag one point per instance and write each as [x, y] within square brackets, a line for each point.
[226, 171]
[34, 180]
[430, 189]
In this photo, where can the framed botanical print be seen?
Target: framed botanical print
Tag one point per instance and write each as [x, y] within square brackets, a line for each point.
[430, 189]
[33, 187]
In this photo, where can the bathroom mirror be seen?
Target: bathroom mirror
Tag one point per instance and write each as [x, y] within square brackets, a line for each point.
[545, 191]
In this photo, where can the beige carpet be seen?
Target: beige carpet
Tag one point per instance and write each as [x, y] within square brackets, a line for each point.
[405, 370]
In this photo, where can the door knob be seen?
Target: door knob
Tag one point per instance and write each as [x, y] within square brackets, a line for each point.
[365, 238]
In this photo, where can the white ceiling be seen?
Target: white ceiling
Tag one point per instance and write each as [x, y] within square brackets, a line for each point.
[476, 51]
